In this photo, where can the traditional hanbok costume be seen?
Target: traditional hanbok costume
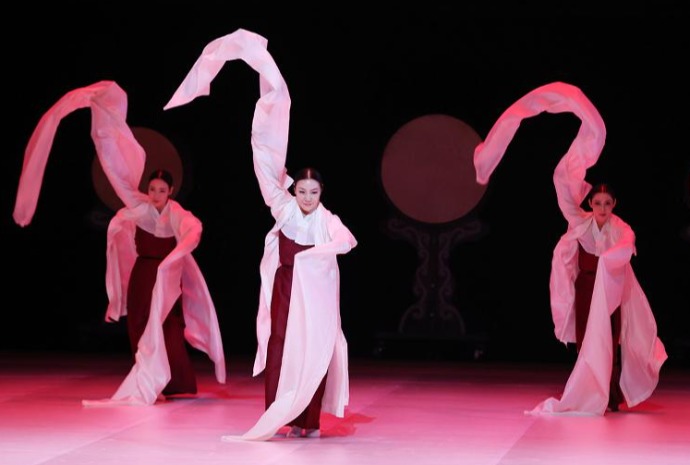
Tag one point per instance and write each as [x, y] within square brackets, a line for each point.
[615, 285]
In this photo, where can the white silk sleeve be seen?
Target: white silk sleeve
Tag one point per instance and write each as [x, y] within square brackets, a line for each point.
[271, 121]
[584, 151]
[120, 155]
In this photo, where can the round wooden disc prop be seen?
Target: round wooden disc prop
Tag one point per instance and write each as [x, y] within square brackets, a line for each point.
[160, 154]
[428, 169]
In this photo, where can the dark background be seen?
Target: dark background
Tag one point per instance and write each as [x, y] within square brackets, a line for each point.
[355, 77]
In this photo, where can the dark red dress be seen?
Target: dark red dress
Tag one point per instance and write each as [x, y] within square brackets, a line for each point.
[584, 287]
[151, 251]
[280, 306]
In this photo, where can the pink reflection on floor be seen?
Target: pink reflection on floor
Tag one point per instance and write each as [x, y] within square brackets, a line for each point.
[400, 412]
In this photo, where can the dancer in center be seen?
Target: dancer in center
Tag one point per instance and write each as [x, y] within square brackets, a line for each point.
[302, 350]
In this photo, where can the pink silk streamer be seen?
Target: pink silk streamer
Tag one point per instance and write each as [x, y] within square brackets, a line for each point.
[587, 389]
[557, 97]
[123, 161]
[118, 151]
[314, 342]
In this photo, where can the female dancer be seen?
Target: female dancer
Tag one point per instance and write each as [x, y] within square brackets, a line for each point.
[155, 238]
[148, 218]
[300, 338]
[611, 242]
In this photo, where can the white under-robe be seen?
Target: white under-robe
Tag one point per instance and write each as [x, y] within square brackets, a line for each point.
[642, 352]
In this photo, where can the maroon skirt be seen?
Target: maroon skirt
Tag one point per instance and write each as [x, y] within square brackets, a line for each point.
[151, 251]
[280, 306]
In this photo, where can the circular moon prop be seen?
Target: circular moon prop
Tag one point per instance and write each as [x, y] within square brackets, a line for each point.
[428, 172]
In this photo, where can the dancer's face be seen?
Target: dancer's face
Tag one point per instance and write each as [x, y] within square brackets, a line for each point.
[159, 192]
[602, 205]
[308, 194]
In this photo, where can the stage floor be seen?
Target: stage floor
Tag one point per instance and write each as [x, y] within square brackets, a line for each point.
[400, 412]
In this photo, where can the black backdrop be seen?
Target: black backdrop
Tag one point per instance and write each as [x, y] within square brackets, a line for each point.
[355, 77]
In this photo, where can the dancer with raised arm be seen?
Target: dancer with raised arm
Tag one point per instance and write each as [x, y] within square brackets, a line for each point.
[596, 300]
[302, 350]
[150, 240]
